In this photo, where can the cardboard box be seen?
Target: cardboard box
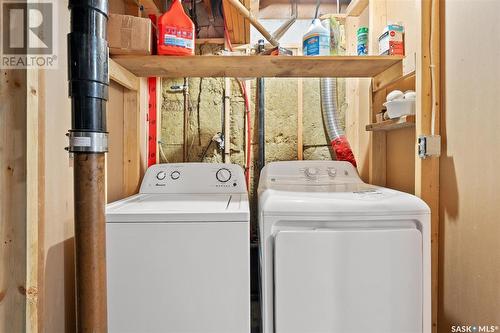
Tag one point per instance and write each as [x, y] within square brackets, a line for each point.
[129, 34]
[392, 40]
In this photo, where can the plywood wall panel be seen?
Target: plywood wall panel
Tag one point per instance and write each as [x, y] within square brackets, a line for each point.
[470, 164]
[401, 160]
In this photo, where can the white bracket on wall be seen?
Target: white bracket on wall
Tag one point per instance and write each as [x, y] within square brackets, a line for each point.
[429, 146]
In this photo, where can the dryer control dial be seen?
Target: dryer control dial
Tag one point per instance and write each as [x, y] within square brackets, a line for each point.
[175, 175]
[161, 175]
[311, 173]
[332, 172]
[223, 175]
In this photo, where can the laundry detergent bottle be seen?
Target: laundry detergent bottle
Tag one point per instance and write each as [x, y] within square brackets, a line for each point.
[176, 32]
[316, 40]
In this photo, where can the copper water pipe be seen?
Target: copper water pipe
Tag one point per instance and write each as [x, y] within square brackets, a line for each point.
[88, 142]
[90, 242]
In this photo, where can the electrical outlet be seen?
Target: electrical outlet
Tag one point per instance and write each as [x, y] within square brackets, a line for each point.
[429, 146]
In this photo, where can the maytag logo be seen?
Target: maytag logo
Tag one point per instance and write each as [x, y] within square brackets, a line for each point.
[28, 34]
[474, 328]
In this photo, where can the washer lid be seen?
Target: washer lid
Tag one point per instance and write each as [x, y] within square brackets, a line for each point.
[179, 207]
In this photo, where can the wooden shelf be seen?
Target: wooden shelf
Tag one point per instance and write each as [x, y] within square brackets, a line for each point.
[257, 66]
[392, 124]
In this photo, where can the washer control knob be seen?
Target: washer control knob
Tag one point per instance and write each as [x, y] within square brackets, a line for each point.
[175, 175]
[161, 175]
[332, 172]
[223, 175]
[311, 172]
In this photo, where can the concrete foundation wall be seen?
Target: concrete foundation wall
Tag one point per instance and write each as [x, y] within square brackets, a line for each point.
[205, 111]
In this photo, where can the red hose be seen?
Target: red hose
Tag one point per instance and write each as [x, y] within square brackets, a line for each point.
[343, 150]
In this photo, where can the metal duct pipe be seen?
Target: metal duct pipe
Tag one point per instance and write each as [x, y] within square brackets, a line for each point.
[262, 124]
[261, 114]
[88, 141]
[278, 33]
[329, 108]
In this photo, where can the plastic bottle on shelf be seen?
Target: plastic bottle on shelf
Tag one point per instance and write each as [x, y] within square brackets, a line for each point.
[362, 37]
[316, 40]
[176, 32]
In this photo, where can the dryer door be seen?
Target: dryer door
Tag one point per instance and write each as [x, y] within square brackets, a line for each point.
[348, 281]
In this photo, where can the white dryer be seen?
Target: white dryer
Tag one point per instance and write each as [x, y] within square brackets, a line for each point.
[341, 256]
[178, 257]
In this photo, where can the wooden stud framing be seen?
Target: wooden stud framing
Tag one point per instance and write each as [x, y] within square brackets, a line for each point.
[300, 119]
[131, 142]
[13, 228]
[427, 170]
[377, 16]
[356, 7]
[227, 120]
[34, 196]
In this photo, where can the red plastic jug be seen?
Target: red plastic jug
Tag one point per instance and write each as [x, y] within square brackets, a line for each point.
[176, 32]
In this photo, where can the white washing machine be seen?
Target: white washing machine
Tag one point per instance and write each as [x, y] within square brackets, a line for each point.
[178, 253]
[341, 256]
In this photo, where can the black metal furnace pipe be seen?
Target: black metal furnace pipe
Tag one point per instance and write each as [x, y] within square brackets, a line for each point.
[262, 122]
[262, 115]
[88, 141]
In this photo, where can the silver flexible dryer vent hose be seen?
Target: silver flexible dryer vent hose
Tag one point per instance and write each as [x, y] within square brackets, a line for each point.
[340, 145]
[328, 88]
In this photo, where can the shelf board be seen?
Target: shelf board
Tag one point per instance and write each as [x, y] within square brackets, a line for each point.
[257, 66]
[392, 124]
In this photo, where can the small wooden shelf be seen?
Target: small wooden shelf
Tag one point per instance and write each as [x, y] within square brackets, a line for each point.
[392, 124]
[257, 66]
